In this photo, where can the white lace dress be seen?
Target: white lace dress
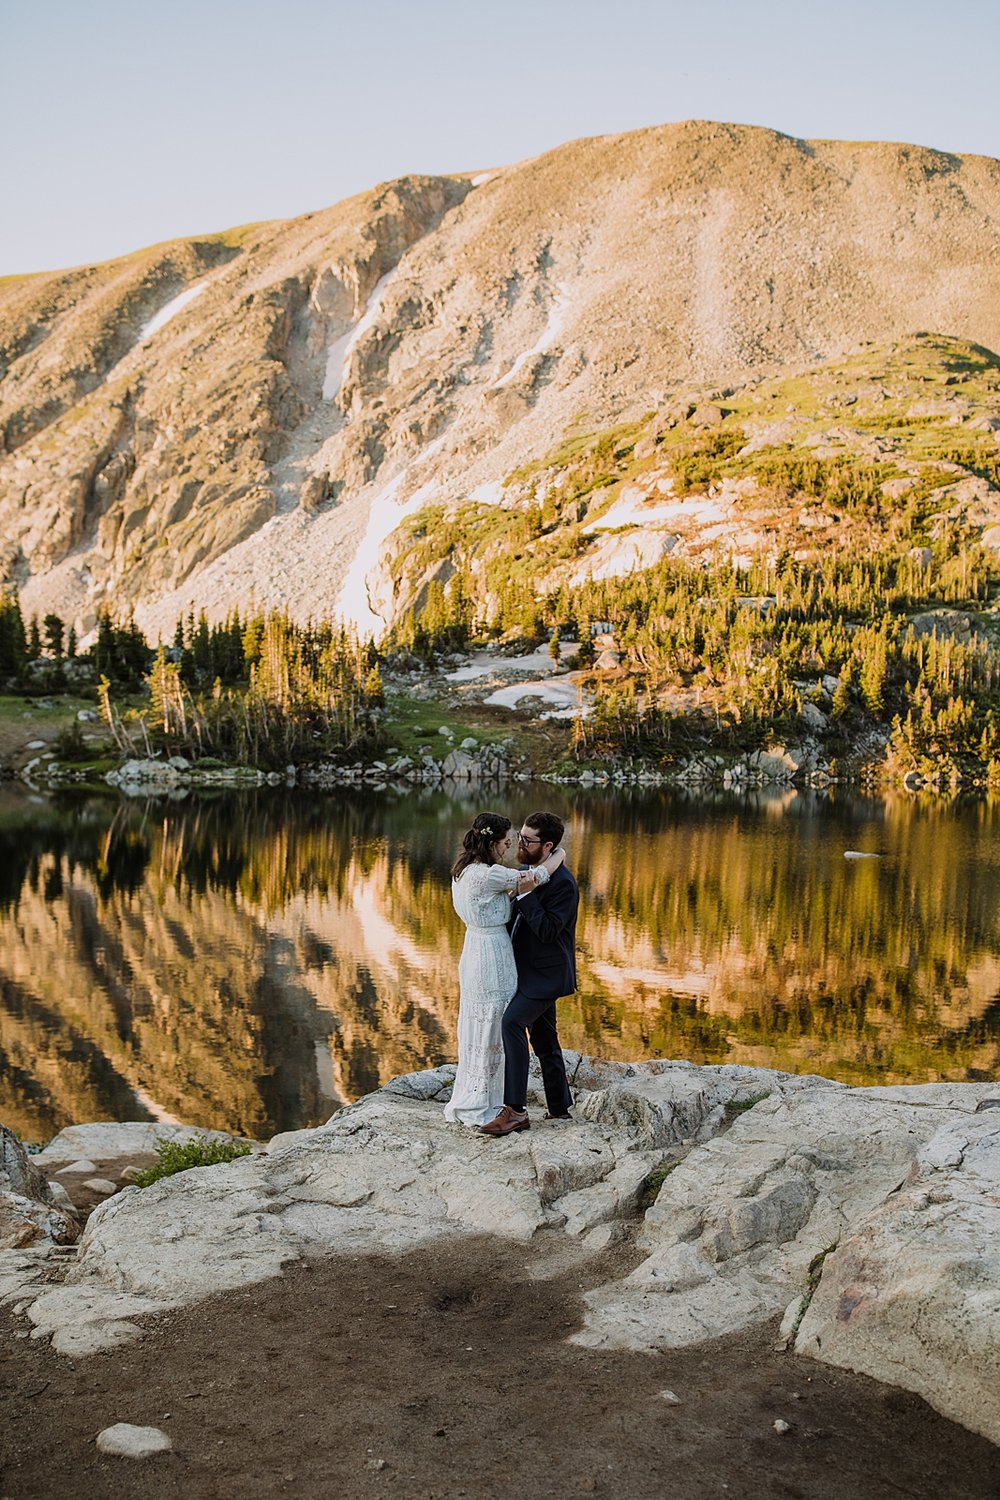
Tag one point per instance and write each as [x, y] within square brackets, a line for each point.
[487, 979]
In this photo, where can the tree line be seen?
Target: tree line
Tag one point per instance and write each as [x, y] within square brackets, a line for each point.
[258, 689]
[731, 654]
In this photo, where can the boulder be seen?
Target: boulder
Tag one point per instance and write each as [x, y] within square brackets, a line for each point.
[459, 765]
[773, 765]
[738, 1223]
[29, 1211]
[18, 1173]
[814, 718]
[950, 623]
[430, 1084]
[706, 415]
[658, 1112]
[911, 1293]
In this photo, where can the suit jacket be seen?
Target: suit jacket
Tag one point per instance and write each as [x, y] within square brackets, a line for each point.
[544, 939]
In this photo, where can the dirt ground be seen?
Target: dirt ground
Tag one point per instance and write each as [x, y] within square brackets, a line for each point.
[448, 1373]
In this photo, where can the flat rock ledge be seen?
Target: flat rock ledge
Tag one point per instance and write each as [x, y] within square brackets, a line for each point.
[869, 1217]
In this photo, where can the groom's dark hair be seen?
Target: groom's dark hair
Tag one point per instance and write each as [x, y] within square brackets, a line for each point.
[548, 826]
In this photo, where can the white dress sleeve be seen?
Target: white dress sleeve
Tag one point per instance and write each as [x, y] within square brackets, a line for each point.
[500, 878]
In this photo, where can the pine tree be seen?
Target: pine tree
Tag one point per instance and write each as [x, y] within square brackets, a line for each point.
[253, 635]
[166, 696]
[200, 647]
[103, 650]
[54, 633]
[13, 643]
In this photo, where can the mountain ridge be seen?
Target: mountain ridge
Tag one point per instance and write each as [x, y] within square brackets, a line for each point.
[595, 283]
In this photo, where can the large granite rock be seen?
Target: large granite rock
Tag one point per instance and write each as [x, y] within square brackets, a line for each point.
[740, 1221]
[911, 1294]
[386, 1174]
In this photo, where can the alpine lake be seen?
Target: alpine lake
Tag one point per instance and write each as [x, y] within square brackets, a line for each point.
[253, 961]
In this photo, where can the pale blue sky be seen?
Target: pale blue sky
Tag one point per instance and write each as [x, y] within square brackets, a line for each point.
[125, 122]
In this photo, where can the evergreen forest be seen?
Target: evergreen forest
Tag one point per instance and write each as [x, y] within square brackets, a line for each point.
[868, 616]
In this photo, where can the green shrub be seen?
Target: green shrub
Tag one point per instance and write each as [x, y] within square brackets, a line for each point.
[69, 744]
[180, 1156]
[740, 1106]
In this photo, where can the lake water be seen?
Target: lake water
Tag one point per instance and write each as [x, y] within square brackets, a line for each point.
[249, 962]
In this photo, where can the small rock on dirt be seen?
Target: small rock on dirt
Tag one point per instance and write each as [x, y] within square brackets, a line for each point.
[123, 1440]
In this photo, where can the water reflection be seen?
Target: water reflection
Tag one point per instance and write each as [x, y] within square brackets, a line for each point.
[250, 962]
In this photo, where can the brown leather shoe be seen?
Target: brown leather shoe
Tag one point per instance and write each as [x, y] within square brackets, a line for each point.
[506, 1122]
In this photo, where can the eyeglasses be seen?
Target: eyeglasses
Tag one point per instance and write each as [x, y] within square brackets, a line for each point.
[527, 840]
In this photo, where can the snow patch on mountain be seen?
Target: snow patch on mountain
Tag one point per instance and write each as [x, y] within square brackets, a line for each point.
[338, 357]
[553, 328]
[354, 604]
[633, 509]
[170, 310]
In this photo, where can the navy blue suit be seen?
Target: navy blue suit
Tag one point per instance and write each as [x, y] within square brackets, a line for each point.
[543, 934]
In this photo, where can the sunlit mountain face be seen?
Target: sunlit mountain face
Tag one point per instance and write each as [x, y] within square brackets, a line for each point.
[256, 412]
[253, 963]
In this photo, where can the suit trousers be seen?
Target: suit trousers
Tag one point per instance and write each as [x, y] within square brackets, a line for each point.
[524, 1018]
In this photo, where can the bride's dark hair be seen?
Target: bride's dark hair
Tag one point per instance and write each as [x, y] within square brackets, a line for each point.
[477, 846]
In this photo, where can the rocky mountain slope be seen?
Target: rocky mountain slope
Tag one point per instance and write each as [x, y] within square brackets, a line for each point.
[251, 415]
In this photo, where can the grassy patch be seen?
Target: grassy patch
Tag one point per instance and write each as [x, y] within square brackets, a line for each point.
[177, 1156]
[24, 718]
[652, 1183]
[737, 1107]
[412, 722]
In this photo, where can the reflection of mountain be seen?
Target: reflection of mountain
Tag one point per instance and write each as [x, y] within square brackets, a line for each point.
[175, 995]
[255, 979]
[392, 1000]
[728, 935]
[252, 964]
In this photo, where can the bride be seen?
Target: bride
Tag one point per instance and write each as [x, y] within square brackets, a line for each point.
[482, 889]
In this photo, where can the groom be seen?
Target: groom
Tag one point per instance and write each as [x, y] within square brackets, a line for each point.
[543, 934]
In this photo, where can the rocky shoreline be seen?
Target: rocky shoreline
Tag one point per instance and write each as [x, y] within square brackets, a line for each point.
[454, 757]
[868, 1218]
[473, 764]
